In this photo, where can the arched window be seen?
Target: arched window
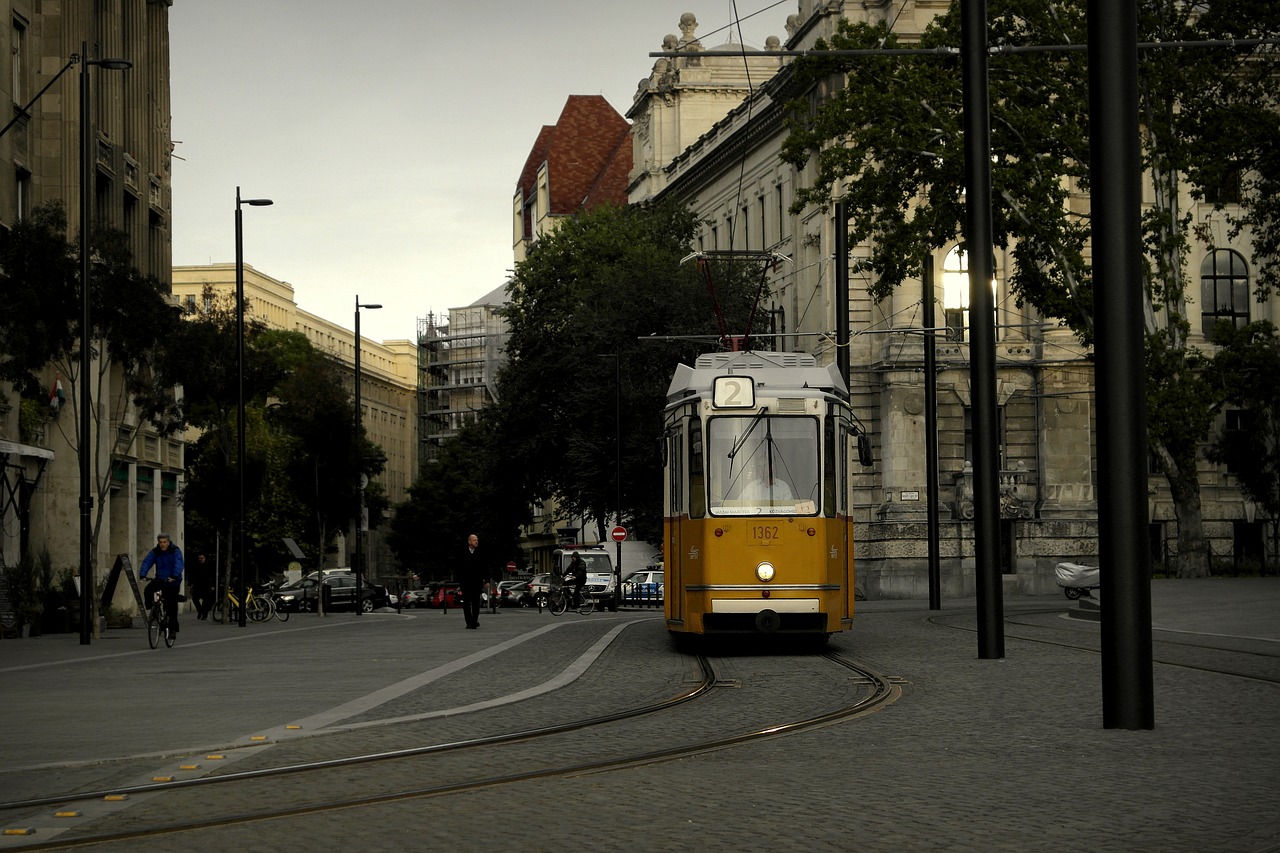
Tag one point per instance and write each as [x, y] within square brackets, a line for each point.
[955, 295]
[1224, 289]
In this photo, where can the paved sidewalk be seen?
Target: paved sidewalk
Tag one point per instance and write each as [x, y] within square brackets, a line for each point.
[976, 755]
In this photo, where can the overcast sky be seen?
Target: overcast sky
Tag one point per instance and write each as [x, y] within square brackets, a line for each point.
[390, 135]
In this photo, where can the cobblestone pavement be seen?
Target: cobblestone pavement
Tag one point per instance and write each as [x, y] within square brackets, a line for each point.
[975, 755]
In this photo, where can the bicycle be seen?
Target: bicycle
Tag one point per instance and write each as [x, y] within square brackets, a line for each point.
[158, 622]
[560, 600]
[259, 608]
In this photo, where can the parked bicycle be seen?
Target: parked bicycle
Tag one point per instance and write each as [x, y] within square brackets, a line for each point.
[158, 622]
[258, 608]
[561, 599]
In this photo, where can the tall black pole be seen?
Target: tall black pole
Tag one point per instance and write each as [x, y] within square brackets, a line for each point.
[617, 467]
[361, 524]
[86, 500]
[931, 434]
[842, 292]
[87, 590]
[241, 591]
[982, 347]
[1115, 201]
[359, 532]
[241, 584]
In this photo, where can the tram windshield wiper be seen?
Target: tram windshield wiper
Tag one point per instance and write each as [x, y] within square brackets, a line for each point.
[737, 445]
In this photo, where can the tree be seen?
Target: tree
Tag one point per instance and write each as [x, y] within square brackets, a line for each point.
[467, 489]
[301, 458]
[1244, 373]
[890, 140]
[131, 314]
[608, 284]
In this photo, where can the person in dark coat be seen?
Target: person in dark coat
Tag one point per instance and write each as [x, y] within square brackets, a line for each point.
[472, 572]
[200, 585]
[166, 558]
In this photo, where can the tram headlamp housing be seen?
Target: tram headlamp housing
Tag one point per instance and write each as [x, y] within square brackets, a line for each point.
[764, 572]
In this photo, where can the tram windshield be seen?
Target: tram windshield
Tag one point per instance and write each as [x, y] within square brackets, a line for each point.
[763, 465]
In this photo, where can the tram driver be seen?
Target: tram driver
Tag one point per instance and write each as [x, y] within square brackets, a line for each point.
[764, 484]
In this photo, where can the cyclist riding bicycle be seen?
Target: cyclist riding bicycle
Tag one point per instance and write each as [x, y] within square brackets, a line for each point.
[167, 559]
[575, 577]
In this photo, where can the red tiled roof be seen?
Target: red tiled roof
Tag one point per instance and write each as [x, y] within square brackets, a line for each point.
[588, 156]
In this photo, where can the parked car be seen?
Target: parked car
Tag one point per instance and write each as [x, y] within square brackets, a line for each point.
[303, 594]
[513, 594]
[446, 595]
[646, 585]
[415, 598]
[540, 590]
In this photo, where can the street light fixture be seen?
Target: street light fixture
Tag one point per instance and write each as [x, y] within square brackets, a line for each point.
[86, 198]
[239, 542]
[362, 522]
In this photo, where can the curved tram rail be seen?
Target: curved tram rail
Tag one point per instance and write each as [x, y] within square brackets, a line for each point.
[879, 692]
[1212, 653]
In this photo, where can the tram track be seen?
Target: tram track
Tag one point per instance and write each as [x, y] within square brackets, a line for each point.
[1168, 650]
[875, 692]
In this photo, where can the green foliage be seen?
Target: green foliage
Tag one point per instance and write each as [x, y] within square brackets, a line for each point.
[27, 582]
[301, 456]
[39, 276]
[1181, 405]
[607, 284]
[466, 490]
[40, 287]
[891, 138]
[1244, 374]
[885, 133]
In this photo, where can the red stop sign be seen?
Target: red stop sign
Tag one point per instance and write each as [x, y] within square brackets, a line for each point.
[619, 534]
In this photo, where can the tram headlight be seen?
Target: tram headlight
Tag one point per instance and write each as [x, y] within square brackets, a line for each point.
[764, 572]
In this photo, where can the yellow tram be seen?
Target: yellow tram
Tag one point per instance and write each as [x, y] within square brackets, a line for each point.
[757, 533]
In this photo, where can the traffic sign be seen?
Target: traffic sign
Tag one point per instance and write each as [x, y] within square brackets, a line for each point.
[619, 534]
[511, 566]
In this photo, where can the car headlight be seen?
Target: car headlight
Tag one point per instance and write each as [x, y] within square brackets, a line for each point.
[764, 572]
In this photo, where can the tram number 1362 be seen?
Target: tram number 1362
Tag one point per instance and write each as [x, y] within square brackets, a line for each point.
[765, 533]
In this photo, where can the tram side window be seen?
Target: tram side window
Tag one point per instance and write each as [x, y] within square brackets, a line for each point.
[830, 469]
[697, 484]
[675, 475]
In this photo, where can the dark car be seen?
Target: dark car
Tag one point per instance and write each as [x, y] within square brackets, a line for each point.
[303, 594]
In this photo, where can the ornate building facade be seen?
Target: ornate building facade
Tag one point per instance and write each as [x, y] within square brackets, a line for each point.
[388, 375]
[723, 163]
[135, 474]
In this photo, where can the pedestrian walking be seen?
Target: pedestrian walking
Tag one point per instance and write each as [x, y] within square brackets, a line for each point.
[472, 572]
[166, 558]
[200, 585]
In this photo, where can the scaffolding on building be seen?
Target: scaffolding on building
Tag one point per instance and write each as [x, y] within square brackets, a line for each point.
[458, 364]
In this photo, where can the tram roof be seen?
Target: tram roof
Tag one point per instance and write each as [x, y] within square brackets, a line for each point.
[772, 371]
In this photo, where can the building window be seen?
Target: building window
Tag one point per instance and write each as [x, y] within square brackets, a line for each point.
[18, 51]
[1226, 189]
[955, 295]
[1224, 289]
[1236, 429]
[21, 194]
[969, 436]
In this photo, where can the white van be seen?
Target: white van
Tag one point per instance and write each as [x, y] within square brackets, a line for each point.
[600, 580]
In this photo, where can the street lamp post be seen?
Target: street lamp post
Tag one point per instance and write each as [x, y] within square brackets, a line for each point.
[239, 541]
[86, 198]
[617, 466]
[361, 522]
